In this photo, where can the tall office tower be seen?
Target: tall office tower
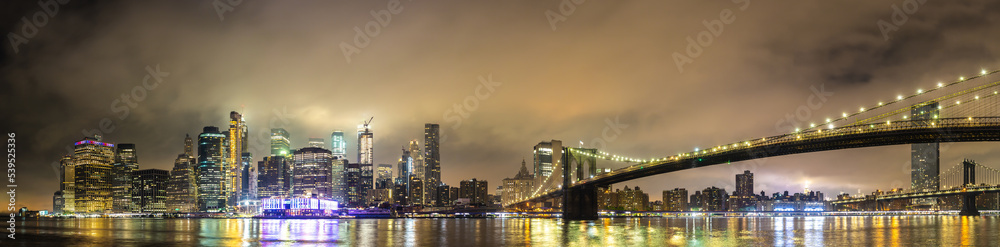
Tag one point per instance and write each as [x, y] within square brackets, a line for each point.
[68, 185]
[210, 171]
[248, 178]
[384, 179]
[182, 189]
[924, 157]
[417, 163]
[338, 146]
[744, 184]
[312, 173]
[150, 190]
[365, 145]
[93, 176]
[352, 179]
[443, 195]
[432, 163]
[475, 190]
[237, 145]
[125, 163]
[274, 177]
[337, 179]
[548, 156]
[188, 145]
[366, 181]
[316, 142]
[280, 144]
[404, 166]
[57, 203]
[416, 191]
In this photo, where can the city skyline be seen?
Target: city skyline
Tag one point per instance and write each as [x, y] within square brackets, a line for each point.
[292, 88]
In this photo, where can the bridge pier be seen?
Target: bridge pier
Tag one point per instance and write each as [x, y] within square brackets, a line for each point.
[969, 205]
[580, 203]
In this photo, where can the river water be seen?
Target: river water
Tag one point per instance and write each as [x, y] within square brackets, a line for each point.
[690, 231]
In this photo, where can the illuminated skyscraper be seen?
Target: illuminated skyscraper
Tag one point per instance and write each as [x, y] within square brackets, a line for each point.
[188, 146]
[365, 145]
[150, 194]
[237, 145]
[280, 144]
[274, 178]
[384, 176]
[126, 162]
[248, 178]
[211, 182]
[337, 179]
[182, 189]
[519, 187]
[924, 163]
[547, 156]
[432, 163]
[366, 181]
[416, 167]
[338, 146]
[312, 176]
[352, 179]
[68, 185]
[93, 161]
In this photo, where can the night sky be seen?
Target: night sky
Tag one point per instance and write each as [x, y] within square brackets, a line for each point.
[284, 65]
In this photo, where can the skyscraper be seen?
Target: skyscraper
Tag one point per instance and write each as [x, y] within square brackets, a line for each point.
[338, 146]
[211, 182]
[316, 142]
[188, 146]
[274, 177]
[93, 161]
[237, 141]
[150, 190]
[126, 162]
[714, 199]
[280, 144]
[338, 180]
[182, 189]
[547, 156]
[416, 156]
[68, 185]
[744, 184]
[675, 200]
[366, 181]
[384, 179]
[416, 191]
[248, 178]
[924, 157]
[432, 163]
[312, 173]
[352, 178]
[365, 145]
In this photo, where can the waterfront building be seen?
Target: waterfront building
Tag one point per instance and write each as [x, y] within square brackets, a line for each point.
[92, 160]
[547, 156]
[236, 141]
[432, 163]
[476, 191]
[150, 190]
[274, 177]
[211, 170]
[519, 187]
[416, 191]
[182, 188]
[337, 178]
[352, 179]
[311, 176]
[714, 199]
[126, 162]
[675, 200]
[67, 184]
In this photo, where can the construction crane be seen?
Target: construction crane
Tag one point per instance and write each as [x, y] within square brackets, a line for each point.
[368, 122]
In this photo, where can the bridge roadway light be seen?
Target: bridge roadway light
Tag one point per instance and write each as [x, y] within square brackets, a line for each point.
[940, 84]
[984, 72]
[899, 97]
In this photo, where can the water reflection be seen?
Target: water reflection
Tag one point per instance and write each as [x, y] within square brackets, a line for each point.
[696, 231]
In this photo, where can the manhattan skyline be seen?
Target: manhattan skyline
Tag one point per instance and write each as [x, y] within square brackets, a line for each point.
[529, 80]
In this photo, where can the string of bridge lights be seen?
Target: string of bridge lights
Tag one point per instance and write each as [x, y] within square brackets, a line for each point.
[812, 126]
[899, 98]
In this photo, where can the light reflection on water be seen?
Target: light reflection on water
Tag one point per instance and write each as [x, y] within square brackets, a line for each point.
[718, 231]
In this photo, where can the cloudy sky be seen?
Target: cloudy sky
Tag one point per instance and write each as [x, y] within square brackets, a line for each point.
[556, 70]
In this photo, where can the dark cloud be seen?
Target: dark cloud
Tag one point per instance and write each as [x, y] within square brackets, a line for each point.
[282, 65]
